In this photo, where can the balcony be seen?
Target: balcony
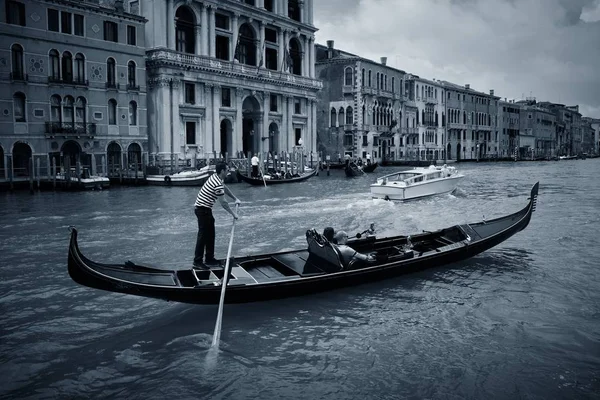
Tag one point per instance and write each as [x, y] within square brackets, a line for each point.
[410, 131]
[19, 76]
[70, 130]
[111, 85]
[68, 81]
[430, 100]
[347, 89]
[170, 58]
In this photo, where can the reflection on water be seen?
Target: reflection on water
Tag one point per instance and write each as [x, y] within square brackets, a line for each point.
[518, 320]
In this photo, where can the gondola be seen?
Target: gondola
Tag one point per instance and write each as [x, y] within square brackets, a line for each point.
[316, 268]
[353, 170]
[272, 181]
[369, 167]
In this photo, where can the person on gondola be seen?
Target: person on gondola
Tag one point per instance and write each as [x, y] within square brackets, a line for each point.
[254, 161]
[351, 258]
[329, 233]
[212, 190]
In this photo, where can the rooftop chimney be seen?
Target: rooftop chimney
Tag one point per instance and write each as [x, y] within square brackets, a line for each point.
[330, 49]
[330, 44]
[467, 86]
[491, 92]
[383, 60]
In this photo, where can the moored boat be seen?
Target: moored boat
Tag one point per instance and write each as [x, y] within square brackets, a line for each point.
[194, 177]
[316, 268]
[353, 170]
[416, 183]
[85, 181]
[369, 167]
[273, 179]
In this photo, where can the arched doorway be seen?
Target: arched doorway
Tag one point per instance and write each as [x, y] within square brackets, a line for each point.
[449, 151]
[134, 157]
[113, 155]
[71, 153]
[21, 154]
[458, 152]
[250, 134]
[226, 139]
[273, 138]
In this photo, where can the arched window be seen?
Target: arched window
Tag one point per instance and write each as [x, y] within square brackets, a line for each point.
[112, 112]
[79, 68]
[349, 116]
[80, 117]
[247, 46]
[54, 65]
[67, 67]
[393, 84]
[369, 78]
[185, 38]
[55, 114]
[363, 77]
[132, 113]
[131, 74]
[332, 118]
[296, 55]
[111, 72]
[377, 80]
[348, 76]
[69, 112]
[17, 62]
[341, 117]
[19, 107]
[423, 117]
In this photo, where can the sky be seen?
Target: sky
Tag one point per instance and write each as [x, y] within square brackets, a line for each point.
[547, 49]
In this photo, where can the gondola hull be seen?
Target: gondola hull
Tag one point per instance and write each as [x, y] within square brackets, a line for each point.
[369, 167]
[261, 182]
[301, 272]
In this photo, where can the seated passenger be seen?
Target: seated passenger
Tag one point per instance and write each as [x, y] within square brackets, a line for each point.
[350, 256]
[329, 234]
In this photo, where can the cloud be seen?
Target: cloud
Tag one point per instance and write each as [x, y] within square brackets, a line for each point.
[545, 48]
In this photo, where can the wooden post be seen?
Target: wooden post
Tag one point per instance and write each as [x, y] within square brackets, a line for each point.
[78, 172]
[54, 173]
[249, 164]
[93, 164]
[37, 172]
[31, 175]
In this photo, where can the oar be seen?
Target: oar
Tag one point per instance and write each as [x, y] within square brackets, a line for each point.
[217, 333]
[263, 176]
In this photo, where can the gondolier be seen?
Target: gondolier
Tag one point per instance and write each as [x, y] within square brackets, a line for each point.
[212, 190]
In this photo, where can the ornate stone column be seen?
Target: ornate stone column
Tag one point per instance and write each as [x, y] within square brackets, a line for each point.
[305, 57]
[284, 8]
[301, 5]
[260, 50]
[203, 30]
[281, 51]
[208, 116]
[311, 49]
[211, 30]
[265, 132]
[260, 4]
[198, 34]
[289, 137]
[314, 125]
[234, 37]
[216, 105]
[286, 41]
[170, 25]
[175, 122]
[238, 129]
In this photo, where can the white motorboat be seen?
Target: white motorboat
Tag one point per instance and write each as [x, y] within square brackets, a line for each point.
[84, 181]
[416, 183]
[194, 177]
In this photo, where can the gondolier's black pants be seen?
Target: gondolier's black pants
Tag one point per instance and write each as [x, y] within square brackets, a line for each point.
[206, 234]
[255, 171]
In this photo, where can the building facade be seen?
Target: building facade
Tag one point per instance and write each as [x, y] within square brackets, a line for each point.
[72, 86]
[509, 122]
[472, 127]
[230, 78]
[360, 109]
[569, 133]
[537, 130]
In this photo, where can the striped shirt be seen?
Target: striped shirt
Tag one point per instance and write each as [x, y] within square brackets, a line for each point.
[209, 192]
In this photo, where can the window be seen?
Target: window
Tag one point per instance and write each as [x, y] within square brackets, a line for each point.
[53, 24]
[298, 135]
[79, 68]
[225, 97]
[55, 114]
[65, 22]
[294, 10]
[67, 67]
[273, 102]
[333, 117]
[190, 93]
[19, 107]
[222, 47]
[369, 78]
[131, 74]
[111, 71]
[297, 106]
[269, 5]
[112, 112]
[348, 76]
[78, 24]
[69, 111]
[54, 65]
[190, 132]
[80, 113]
[15, 12]
[111, 31]
[270, 35]
[132, 113]
[185, 39]
[222, 21]
[349, 116]
[131, 35]
[17, 62]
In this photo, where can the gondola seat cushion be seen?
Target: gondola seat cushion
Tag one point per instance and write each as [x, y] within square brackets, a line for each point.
[319, 247]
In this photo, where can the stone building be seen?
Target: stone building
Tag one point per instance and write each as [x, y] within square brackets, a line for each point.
[360, 107]
[509, 117]
[230, 77]
[72, 87]
[472, 123]
[569, 134]
[537, 130]
[594, 124]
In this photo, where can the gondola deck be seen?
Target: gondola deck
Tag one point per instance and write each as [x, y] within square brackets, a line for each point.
[300, 272]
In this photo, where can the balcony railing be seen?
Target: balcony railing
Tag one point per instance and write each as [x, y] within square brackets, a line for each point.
[112, 85]
[133, 87]
[70, 129]
[170, 57]
[68, 81]
[410, 131]
[19, 76]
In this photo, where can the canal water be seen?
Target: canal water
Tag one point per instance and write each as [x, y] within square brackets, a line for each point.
[521, 320]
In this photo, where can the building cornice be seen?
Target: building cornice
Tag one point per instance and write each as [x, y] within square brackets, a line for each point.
[96, 8]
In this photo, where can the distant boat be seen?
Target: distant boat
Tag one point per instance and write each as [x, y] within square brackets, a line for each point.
[352, 169]
[416, 183]
[194, 177]
[272, 179]
[369, 167]
[85, 181]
